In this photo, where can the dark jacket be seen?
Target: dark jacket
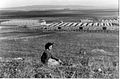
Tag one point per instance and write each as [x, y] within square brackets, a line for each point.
[46, 55]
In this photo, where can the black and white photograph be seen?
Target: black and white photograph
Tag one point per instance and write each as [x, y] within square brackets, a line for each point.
[59, 39]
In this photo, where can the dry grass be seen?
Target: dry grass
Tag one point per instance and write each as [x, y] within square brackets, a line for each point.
[88, 67]
[99, 61]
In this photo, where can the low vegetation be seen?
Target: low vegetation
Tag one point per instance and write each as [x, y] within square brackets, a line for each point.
[85, 55]
[80, 66]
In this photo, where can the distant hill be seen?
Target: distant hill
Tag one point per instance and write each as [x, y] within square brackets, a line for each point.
[55, 7]
[56, 11]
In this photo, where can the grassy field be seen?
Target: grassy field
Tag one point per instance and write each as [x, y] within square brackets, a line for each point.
[100, 61]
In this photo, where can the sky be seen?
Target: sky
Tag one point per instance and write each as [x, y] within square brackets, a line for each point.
[95, 3]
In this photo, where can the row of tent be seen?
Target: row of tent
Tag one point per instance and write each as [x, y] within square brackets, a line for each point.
[80, 26]
[73, 24]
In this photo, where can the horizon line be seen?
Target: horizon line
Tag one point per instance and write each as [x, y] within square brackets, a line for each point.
[63, 5]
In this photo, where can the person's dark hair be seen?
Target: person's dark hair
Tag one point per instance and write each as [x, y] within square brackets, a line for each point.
[47, 45]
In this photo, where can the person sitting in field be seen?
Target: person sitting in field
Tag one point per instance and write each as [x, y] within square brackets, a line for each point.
[47, 58]
[84, 57]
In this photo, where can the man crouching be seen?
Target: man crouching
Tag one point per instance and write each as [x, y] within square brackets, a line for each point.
[47, 58]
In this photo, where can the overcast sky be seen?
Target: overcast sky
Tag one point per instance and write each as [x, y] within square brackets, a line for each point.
[97, 3]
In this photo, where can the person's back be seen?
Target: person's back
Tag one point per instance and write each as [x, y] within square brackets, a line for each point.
[43, 58]
[46, 56]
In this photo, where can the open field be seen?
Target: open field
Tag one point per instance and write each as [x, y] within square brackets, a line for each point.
[100, 61]
[86, 40]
